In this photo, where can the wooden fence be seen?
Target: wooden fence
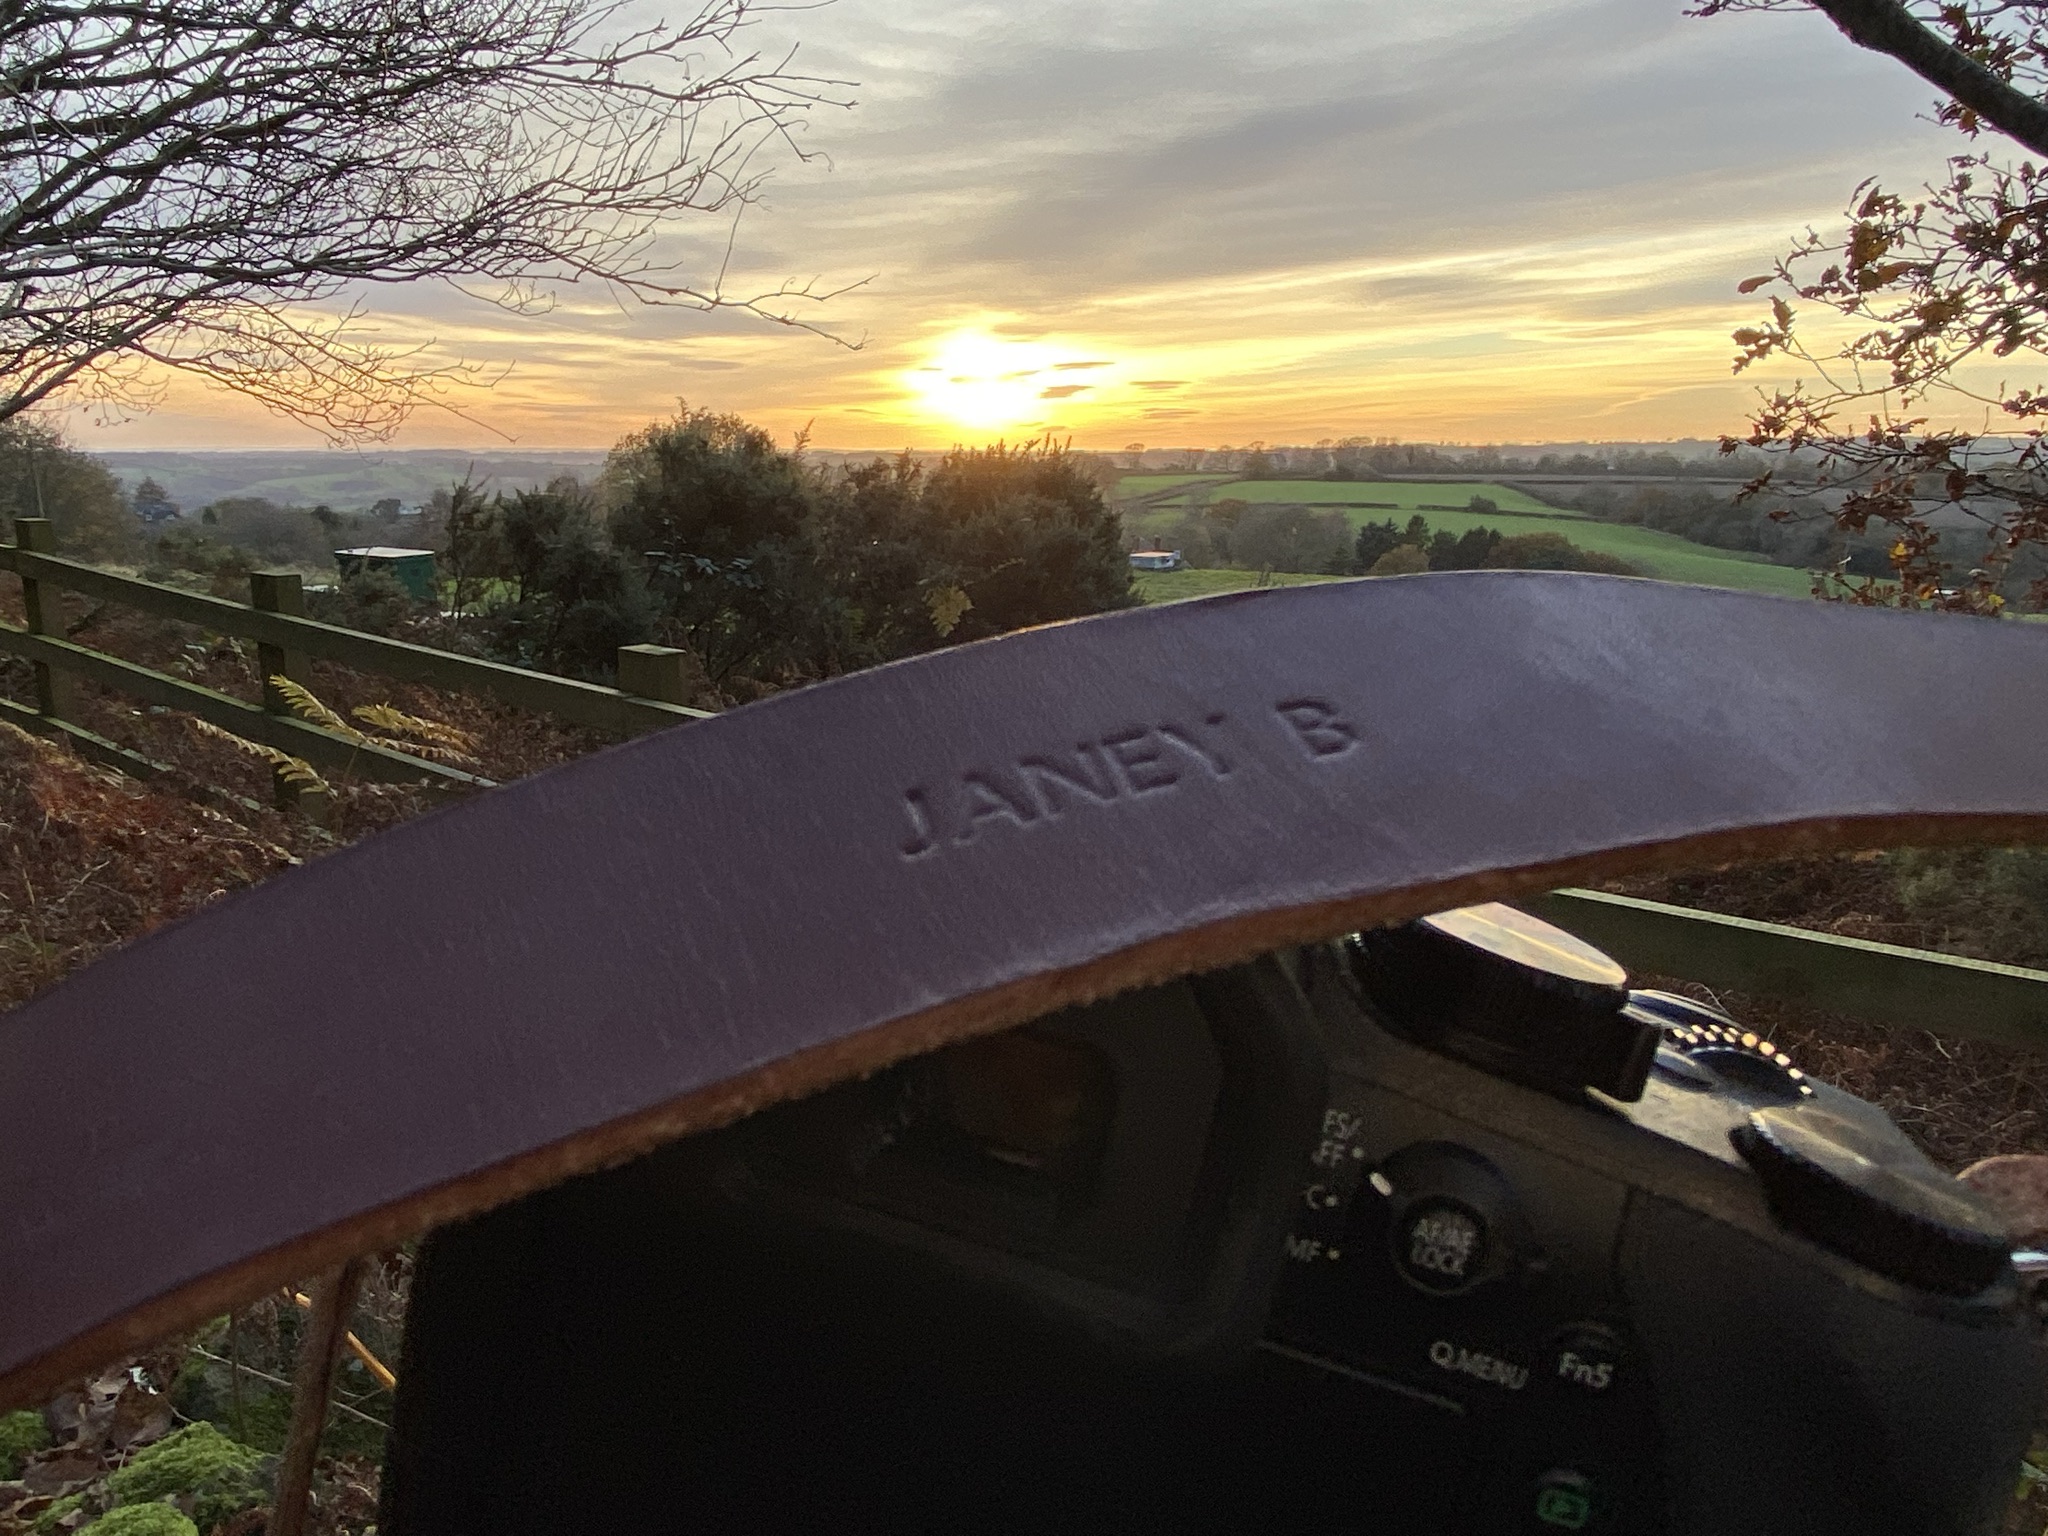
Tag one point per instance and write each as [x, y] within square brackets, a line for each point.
[274, 617]
[1883, 983]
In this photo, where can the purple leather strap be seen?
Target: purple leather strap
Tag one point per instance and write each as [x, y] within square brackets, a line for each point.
[658, 939]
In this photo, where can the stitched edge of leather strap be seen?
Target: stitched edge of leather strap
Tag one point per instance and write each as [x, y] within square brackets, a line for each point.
[820, 1067]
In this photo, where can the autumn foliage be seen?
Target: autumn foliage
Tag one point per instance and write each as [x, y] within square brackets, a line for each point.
[1939, 288]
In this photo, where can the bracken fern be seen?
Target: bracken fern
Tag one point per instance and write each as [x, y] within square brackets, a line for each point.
[293, 770]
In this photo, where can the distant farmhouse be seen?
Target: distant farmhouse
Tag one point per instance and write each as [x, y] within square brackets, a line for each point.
[151, 503]
[1156, 560]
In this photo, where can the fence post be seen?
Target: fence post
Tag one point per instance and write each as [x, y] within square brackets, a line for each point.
[283, 592]
[654, 672]
[56, 698]
[334, 1294]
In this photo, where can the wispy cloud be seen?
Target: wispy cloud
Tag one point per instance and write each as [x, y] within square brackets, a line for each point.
[1308, 218]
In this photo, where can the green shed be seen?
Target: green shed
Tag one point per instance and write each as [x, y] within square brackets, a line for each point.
[414, 568]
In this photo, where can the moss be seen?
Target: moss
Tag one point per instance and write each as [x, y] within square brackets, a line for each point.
[20, 1433]
[143, 1520]
[266, 1421]
[222, 1476]
[47, 1521]
[191, 1393]
[266, 1418]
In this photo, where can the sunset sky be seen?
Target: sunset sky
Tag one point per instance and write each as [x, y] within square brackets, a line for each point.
[1182, 222]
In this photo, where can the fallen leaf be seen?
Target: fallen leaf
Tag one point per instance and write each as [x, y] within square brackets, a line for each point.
[140, 1418]
[59, 1470]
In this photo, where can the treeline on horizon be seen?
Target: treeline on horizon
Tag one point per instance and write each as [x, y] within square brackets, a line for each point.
[891, 555]
[1358, 458]
[1286, 536]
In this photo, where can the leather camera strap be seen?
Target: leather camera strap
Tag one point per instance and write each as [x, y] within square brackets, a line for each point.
[663, 937]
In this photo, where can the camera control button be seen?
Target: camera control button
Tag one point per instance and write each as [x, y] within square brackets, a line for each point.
[1452, 1222]
[1586, 1357]
[1441, 1244]
[1565, 1501]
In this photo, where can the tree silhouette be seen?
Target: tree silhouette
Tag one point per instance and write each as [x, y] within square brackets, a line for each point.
[183, 180]
[1938, 282]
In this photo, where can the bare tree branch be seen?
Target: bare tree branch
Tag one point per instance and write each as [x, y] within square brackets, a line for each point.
[1886, 26]
[1978, 65]
[180, 179]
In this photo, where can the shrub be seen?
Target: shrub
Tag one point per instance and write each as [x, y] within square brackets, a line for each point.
[21, 1433]
[718, 512]
[576, 598]
[278, 535]
[222, 1476]
[226, 566]
[375, 602]
[1290, 538]
[765, 567]
[1025, 533]
[1554, 552]
[1401, 560]
[1992, 903]
[47, 1521]
[143, 1520]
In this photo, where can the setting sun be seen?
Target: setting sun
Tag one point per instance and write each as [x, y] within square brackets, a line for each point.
[983, 382]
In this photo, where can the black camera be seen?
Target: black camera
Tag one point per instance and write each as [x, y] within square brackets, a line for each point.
[1437, 1229]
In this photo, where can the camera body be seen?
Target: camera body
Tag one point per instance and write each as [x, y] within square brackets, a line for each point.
[1439, 1228]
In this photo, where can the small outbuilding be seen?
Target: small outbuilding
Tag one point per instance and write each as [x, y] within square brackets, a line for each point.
[1156, 560]
[414, 568]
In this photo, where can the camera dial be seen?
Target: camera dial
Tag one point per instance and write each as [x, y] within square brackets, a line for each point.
[1510, 994]
[1700, 1037]
[1854, 1183]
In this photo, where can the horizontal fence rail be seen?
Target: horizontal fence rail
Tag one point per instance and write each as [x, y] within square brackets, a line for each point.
[606, 709]
[285, 640]
[248, 721]
[1880, 983]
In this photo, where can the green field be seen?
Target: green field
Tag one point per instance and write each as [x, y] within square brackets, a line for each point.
[1145, 485]
[1662, 555]
[1172, 586]
[1392, 495]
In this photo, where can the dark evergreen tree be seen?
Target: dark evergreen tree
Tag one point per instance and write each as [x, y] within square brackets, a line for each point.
[151, 502]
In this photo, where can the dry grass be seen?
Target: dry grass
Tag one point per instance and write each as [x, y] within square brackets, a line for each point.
[89, 859]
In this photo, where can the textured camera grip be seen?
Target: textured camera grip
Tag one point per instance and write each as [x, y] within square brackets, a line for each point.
[1829, 1408]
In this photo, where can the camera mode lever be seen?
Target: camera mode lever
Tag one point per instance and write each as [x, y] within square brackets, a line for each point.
[1511, 994]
